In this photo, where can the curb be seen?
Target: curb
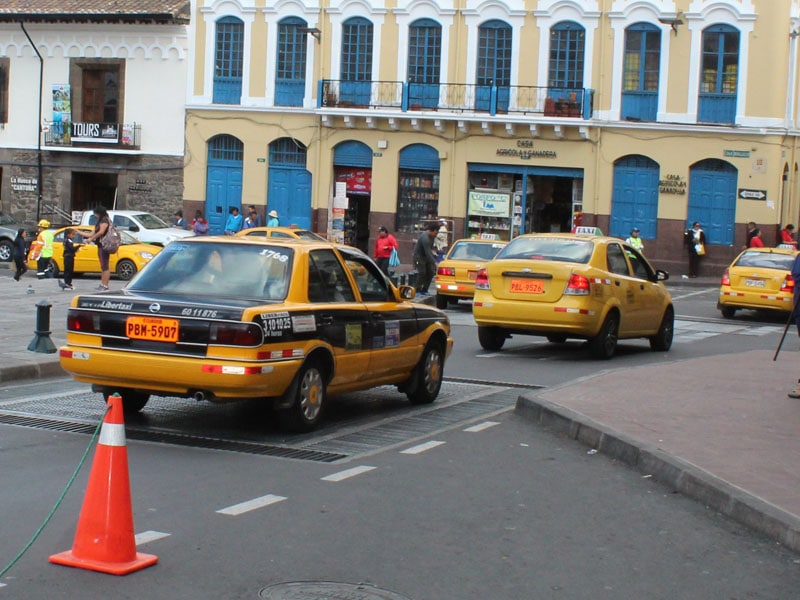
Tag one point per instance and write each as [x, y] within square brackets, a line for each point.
[682, 476]
[50, 368]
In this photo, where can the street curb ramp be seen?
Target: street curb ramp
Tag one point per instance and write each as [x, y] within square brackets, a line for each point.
[682, 476]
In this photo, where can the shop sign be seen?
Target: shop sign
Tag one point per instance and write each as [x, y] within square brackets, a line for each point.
[487, 204]
[672, 184]
[357, 180]
[105, 133]
[24, 184]
[736, 153]
[526, 151]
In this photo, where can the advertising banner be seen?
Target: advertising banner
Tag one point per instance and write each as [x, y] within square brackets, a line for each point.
[488, 204]
[62, 113]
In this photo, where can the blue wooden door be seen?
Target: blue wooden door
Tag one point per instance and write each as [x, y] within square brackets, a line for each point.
[712, 199]
[223, 180]
[289, 193]
[634, 201]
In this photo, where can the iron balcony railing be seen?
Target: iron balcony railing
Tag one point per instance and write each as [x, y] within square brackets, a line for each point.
[456, 97]
[99, 135]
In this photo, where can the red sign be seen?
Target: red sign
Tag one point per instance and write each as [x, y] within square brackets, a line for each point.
[359, 181]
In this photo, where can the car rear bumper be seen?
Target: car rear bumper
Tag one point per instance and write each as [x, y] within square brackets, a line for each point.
[568, 318]
[755, 300]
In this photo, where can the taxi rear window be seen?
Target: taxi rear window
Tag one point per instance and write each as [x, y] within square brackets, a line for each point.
[541, 248]
[474, 251]
[766, 260]
[259, 272]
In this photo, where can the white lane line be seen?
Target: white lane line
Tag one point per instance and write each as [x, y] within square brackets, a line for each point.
[149, 536]
[697, 293]
[481, 426]
[342, 475]
[421, 447]
[243, 507]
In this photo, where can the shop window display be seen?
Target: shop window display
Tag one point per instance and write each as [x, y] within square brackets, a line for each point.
[417, 198]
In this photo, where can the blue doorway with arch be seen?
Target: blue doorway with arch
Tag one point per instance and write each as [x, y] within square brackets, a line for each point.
[223, 180]
[634, 199]
[712, 199]
[289, 188]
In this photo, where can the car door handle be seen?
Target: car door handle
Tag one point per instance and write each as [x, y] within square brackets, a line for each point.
[326, 320]
[616, 282]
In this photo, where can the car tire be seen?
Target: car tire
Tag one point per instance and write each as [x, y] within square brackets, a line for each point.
[604, 343]
[662, 340]
[491, 338]
[426, 381]
[728, 312]
[441, 301]
[305, 399]
[54, 271]
[126, 269]
[556, 339]
[133, 401]
[6, 250]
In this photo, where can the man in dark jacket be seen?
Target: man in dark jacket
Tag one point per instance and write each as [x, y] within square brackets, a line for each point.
[425, 259]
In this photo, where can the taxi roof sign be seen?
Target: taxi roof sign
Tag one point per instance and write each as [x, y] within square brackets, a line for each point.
[588, 230]
[787, 246]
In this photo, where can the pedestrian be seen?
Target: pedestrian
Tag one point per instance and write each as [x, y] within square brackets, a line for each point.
[634, 241]
[69, 259]
[179, 221]
[199, 224]
[440, 243]
[756, 241]
[384, 244]
[795, 393]
[787, 236]
[425, 259]
[45, 239]
[273, 220]
[234, 222]
[695, 240]
[101, 226]
[20, 253]
[751, 233]
[253, 218]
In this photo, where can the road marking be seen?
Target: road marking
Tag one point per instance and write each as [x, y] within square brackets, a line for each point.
[243, 507]
[481, 426]
[421, 447]
[342, 475]
[690, 294]
[149, 536]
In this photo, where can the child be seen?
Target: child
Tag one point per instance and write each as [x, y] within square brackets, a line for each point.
[20, 253]
[69, 259]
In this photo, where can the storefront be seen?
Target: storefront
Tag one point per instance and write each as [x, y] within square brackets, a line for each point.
[504, 201]
[418, 187]
[352, 164]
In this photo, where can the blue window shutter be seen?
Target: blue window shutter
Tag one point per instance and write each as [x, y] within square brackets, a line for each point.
[290, 70]
[352, 154]
[420, 157]
[228, 61]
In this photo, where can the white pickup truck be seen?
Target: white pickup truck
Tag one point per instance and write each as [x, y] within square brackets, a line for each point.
[144, 226]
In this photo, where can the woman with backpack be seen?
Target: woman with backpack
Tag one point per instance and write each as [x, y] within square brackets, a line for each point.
[101, 228]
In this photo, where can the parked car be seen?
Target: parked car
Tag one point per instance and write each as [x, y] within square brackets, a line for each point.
[456, 274]
[145, 227]
[565, 286]
[287, 321]
[131, 256]
[282, 232]
[8, 232]
[758, 279]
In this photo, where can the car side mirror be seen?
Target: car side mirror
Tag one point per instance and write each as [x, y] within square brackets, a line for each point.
[661, 275]
[407, 292]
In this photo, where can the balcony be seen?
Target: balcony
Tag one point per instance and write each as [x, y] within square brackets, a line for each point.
[459, 98]
[120, 136]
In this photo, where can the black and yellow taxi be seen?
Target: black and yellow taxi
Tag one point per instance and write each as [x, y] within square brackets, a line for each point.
[567, 285]
[758, 279]
[282, 233]
[228, 318]
[456, 274]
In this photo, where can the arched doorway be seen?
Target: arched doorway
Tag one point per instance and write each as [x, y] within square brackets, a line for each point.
[352, 164]
[634, 200]
[712, 199]
[223, 180]
[289, 189]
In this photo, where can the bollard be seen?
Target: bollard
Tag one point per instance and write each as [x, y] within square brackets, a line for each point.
[41, 341]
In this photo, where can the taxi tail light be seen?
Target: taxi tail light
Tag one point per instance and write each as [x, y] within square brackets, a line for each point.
[578, 285]
[446, 271]
[726, 278]
[235, 334]
[788, 284]
[482, 280]
[83, 323]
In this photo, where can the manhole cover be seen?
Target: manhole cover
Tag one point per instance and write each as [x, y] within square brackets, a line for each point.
[326, 590]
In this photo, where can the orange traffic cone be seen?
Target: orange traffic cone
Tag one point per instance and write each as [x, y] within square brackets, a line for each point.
[104, 539]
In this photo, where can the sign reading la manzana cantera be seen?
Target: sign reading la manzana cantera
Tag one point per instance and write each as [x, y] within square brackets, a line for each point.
[526, 151]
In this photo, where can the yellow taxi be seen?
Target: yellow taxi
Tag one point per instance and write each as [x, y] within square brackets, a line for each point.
[282, 233]
[125, 263]
[455, 275]
[566, 285]
[758, 279]
[226, 318]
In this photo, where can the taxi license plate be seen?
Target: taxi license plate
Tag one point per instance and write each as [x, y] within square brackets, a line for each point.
[473, 275]
[759, 283]
[527, 286]
[152, 328]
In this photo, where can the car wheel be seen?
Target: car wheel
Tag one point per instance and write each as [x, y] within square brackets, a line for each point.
[53, 269]
[556, 339]
[6, 250]
[306, 396]
[126, 269]
[491, 338]
[427, 376]
[605, 342]
[662, 340]
[132, 400]
[441, 301]
[728, 312]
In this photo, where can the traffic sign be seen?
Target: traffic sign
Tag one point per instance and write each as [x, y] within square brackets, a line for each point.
[746, 194]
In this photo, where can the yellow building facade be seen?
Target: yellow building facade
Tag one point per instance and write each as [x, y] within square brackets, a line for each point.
[501, 117]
